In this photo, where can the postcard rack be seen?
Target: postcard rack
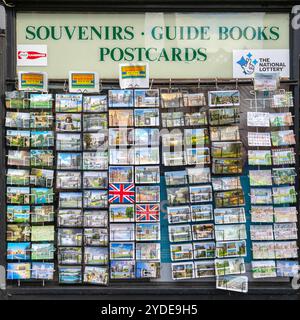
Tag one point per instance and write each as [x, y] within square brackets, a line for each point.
[176, 147]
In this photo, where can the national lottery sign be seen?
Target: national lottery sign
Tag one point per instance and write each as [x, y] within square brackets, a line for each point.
[246, 63]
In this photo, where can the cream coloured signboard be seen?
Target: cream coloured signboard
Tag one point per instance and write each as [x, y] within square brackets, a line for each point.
[175, 45]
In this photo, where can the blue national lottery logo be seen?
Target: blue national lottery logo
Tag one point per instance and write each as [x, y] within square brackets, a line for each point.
[248, 63]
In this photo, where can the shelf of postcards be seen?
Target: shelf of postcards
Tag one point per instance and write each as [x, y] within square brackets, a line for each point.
[29, 191]
[272, 175]
[200, 147]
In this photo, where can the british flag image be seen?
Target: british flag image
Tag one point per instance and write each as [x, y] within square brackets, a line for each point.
[121, 193]
[147, 212]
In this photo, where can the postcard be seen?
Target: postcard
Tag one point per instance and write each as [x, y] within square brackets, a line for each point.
[95, 255]
[226, 149]
[285, 214]
[147, 156]
[121, 213]
[260, 178]
[147, 251]
[121, 193]
[41, 139]
[122, 232]
[69, 218]
[172, 140]
[147, 212]
[121, 137]
[95, 275]
[95, 160]
[18, 271]
[223, 116]
[123, 156]
[95, 103]
[146, 137]
[95, 141]
[227, 166]
[95, 180]
[42, 214]
[196, 137]
[231, 249]
[230, 133]
[182, 270]
[258, 119]
[16, 100]
[261, 196]
[194, 99]
[68, 180]
[95, 218]
[69, 255]
[171, 100]
[68, 122]
[283, 156]
[259, 139]
[42, 233]
[261, 232]
[120, 98]
[263, 250]
[42, 270]
[201, 193]
[203, 231]
[281, 119]
[41, 101]
[180, 233]
[17, 177]
[122, 269]
[197, 156]
[122, 251]
[195, 119]
[70, 161]
[18, 251]
[95, 199]
[174, 158]
[69, 237]
[230, 232]
[180, 214]
[41, 177]
[18, 233]
[120, 118]
[178, 195]
[17, 120]
[18, 214]
[18, 195]
[262, 214]
[39, 120]
[205, 269]
[42, 251]
[18, 158]
[41, 195]
[71, 102]
[229, 215]
[94, 122]
[284, 175]
[282, 100]
[283, 138]
[70, 200]
[287, 268]
[226, 98]
[146, 117]
[174, 119]
[285, 231]
[181, 252]
[284, 195]
[146, 98]
[41, 158]
[95, 237]
[147, 231]
[233, 283]
[226, 183]
[230, 266]
[146, 194]
[147, 174]
[204, 250]
[201, 212]
[69, 275]
[175, 178]
[286, 249]
[259, 157]
[147, 269]
[18, 138]
[229, 198]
